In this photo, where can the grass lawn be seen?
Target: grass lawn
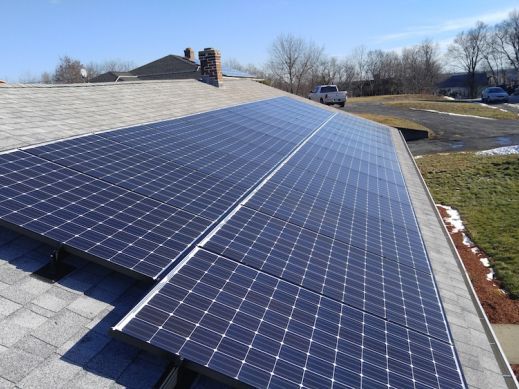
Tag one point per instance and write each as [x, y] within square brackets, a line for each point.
[396, 122]
[393, 98]
[485, 190]
[456, 107]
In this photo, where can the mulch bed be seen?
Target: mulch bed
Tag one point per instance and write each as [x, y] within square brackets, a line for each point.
[499, 308]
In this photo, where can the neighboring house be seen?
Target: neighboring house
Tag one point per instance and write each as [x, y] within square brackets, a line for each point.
[277, 242]
[507, 79]
[457, 84]
[114, 77]
[170, 67]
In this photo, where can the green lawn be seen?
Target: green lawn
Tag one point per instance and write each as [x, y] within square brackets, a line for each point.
[393, 98]
[473, 109]
[485, 190]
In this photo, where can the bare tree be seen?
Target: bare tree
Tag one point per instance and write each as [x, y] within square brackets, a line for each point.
[374, 68]
[410, 70]
[46, 78]
[507, 38]
[292, 60]
[346, 75]
[467, 52]
[113, 65]
[391, 70]
[326, 71]
[358, 58]
[68, 71]
[285, 54]
[233, 63]
[250, 68]
[256, 71]
[428, 55]
[28, 78]
[494, 59]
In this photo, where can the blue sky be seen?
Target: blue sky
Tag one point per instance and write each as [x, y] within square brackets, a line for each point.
[35, 33]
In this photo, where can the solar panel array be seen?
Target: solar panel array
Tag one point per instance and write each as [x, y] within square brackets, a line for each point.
[137, 198]
[319, 279]
[230, 72]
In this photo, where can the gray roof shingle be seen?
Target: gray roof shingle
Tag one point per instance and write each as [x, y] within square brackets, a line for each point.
[55, 335]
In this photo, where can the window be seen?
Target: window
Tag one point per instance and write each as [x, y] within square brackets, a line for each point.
[328, 89]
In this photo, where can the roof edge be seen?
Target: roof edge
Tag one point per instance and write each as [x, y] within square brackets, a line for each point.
[506, 371]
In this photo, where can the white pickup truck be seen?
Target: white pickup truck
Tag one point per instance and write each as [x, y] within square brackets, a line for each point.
[328, 94]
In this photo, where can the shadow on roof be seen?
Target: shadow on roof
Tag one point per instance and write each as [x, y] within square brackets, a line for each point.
[76, 313]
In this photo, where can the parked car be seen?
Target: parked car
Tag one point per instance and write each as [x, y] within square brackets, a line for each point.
[328, 94]
[494, 94]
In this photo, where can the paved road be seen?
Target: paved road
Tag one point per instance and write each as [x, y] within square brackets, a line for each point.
[454, 133]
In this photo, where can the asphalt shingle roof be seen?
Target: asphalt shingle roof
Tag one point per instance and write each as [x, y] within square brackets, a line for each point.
[56, 335]
[168, 67]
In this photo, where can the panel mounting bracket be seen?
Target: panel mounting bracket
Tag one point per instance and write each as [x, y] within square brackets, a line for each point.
[56, 268]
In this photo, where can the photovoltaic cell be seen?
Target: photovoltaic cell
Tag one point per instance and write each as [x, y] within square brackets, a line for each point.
[266, 332]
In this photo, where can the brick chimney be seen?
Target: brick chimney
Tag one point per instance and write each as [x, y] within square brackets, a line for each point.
[211, 66]
[189, 54]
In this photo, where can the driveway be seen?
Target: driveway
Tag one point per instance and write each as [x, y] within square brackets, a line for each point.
[454, 133]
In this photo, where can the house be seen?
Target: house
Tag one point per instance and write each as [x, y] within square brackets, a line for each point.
[241, 235]
[170, 67]
[457, 84]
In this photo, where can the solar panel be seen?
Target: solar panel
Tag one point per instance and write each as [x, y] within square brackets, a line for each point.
[319, 279]
[230, 72]
[137, 198]
[267, 332]
[203, 194]
[362, 219]
[97, 219]
[332, 268]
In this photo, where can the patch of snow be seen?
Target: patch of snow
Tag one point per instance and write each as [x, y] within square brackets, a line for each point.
[506, 150]
[451, 114]
[418, 157]
[486, 263]
[448, 98]
[486, 105]
[466, 241]
[454, 219]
